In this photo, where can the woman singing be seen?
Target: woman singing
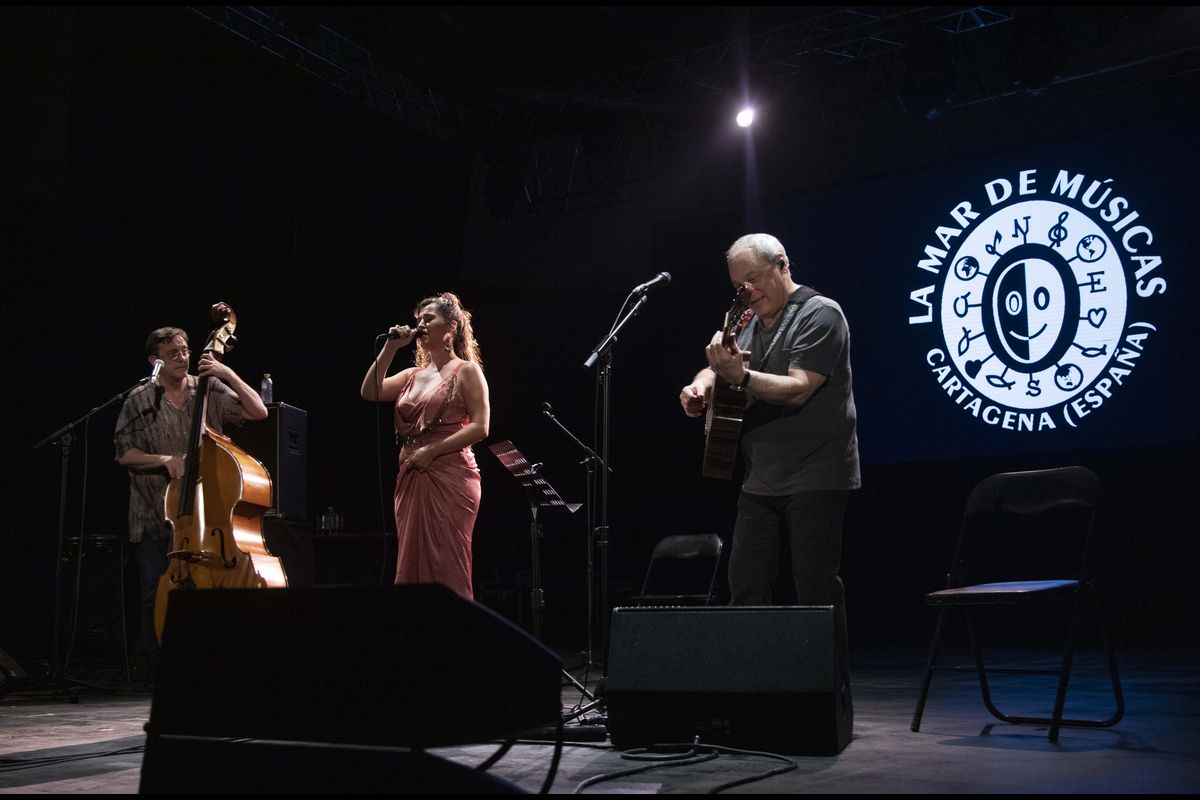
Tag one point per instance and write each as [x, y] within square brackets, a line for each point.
[441, 409]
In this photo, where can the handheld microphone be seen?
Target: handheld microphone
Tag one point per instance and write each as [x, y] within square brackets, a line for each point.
[158, 365]
[421, 334]
[661, 279]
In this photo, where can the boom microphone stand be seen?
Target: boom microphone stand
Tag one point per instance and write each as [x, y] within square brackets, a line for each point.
[603, 382]
[63, 437]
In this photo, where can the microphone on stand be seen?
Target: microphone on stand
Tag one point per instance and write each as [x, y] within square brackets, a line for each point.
[547, 410]
[661, 279]
[158, 365]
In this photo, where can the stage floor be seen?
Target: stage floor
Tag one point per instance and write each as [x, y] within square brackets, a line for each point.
[95, 745]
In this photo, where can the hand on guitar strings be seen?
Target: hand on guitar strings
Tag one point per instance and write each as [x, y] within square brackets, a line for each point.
[728, 363]
[692, 398]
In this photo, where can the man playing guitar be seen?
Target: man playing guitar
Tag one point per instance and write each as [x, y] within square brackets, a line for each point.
[799, 433]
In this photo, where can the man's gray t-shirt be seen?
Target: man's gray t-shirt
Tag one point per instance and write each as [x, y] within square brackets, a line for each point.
[814, 447]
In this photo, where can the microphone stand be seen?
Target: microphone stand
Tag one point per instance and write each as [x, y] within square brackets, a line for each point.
[603, 381]
[589, 462]
[63, 437]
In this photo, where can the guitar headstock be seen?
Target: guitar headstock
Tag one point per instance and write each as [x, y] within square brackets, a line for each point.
[222, 340]
[737, 318]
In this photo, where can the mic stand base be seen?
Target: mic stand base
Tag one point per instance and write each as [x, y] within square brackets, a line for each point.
[570, 733]
[578, 685]
[52, 684]
[579, 712]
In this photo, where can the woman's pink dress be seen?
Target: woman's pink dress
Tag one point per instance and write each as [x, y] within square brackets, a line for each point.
[436, 507]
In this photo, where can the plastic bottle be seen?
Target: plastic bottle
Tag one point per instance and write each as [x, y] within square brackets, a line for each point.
[266, 389]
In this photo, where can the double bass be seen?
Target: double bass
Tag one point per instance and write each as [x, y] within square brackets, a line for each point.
[215, 508]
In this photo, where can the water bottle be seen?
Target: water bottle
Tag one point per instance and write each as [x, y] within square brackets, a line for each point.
[266, 389]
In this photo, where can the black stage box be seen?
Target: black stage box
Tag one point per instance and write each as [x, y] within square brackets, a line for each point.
[292, 543]
[266, 678]
[280, 442]
[754, 677]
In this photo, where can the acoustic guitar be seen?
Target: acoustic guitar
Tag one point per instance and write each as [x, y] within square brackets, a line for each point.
[726, 403]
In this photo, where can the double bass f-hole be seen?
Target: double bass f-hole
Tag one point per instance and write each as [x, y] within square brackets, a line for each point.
[219, 536]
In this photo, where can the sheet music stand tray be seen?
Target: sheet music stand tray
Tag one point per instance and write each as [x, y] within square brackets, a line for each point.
[540, 494]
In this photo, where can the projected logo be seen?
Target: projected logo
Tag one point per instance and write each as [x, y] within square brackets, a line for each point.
[1035, 316]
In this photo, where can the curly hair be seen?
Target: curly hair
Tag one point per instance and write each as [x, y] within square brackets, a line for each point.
[451, 309]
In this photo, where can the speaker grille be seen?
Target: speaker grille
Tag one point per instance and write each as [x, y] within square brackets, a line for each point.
[280, 442]
[756, 677]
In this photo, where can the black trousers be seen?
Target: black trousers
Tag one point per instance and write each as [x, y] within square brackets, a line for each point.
[152, 563]
[812, 521]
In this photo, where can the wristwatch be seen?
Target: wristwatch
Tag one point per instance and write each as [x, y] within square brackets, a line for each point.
[745, 379]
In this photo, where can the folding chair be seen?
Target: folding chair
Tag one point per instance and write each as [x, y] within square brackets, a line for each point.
[1016, 527]
[682, 571]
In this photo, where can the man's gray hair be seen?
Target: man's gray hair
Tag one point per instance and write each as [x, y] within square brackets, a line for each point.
[764, 245]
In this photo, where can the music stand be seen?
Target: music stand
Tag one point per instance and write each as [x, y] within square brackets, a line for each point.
[540, 494]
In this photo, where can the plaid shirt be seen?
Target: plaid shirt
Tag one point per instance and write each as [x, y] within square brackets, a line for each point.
[151, 424]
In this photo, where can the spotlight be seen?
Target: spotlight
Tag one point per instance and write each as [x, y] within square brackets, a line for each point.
[745, 118]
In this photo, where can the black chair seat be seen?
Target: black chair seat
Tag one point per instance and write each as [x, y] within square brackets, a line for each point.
[79, 556]
[1004, 592]
[98, 540]
[672, 599]
[682, 571]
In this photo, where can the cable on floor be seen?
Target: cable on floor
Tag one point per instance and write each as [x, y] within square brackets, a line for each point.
[696, 753]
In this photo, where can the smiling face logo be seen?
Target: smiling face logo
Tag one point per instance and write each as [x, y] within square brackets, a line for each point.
[1036, 312]
[1035, 304]
[1034, 308]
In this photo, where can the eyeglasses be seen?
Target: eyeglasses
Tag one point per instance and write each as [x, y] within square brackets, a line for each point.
[178, 354]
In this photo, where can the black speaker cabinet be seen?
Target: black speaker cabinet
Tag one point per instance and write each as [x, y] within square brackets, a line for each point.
[273, 683]
[754, 677]
[280, 442]
[11, 673]
[292, 543]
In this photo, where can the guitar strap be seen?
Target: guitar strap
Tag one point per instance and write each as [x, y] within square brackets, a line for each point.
[798, 299]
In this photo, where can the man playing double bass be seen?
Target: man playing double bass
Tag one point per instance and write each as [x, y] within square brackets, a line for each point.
[151, 439]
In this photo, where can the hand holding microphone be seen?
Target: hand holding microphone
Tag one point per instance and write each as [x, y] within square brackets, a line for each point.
[403, 334]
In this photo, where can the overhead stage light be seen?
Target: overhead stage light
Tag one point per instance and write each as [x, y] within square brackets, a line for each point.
[745, 117]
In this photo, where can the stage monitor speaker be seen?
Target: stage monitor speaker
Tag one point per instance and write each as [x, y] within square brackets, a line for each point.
[251, 767]
[11, 673]
[280, 442]
[339, 668]
[767, 678]
[292, 543]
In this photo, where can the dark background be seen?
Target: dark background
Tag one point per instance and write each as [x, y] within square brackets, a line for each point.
[322, 169]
